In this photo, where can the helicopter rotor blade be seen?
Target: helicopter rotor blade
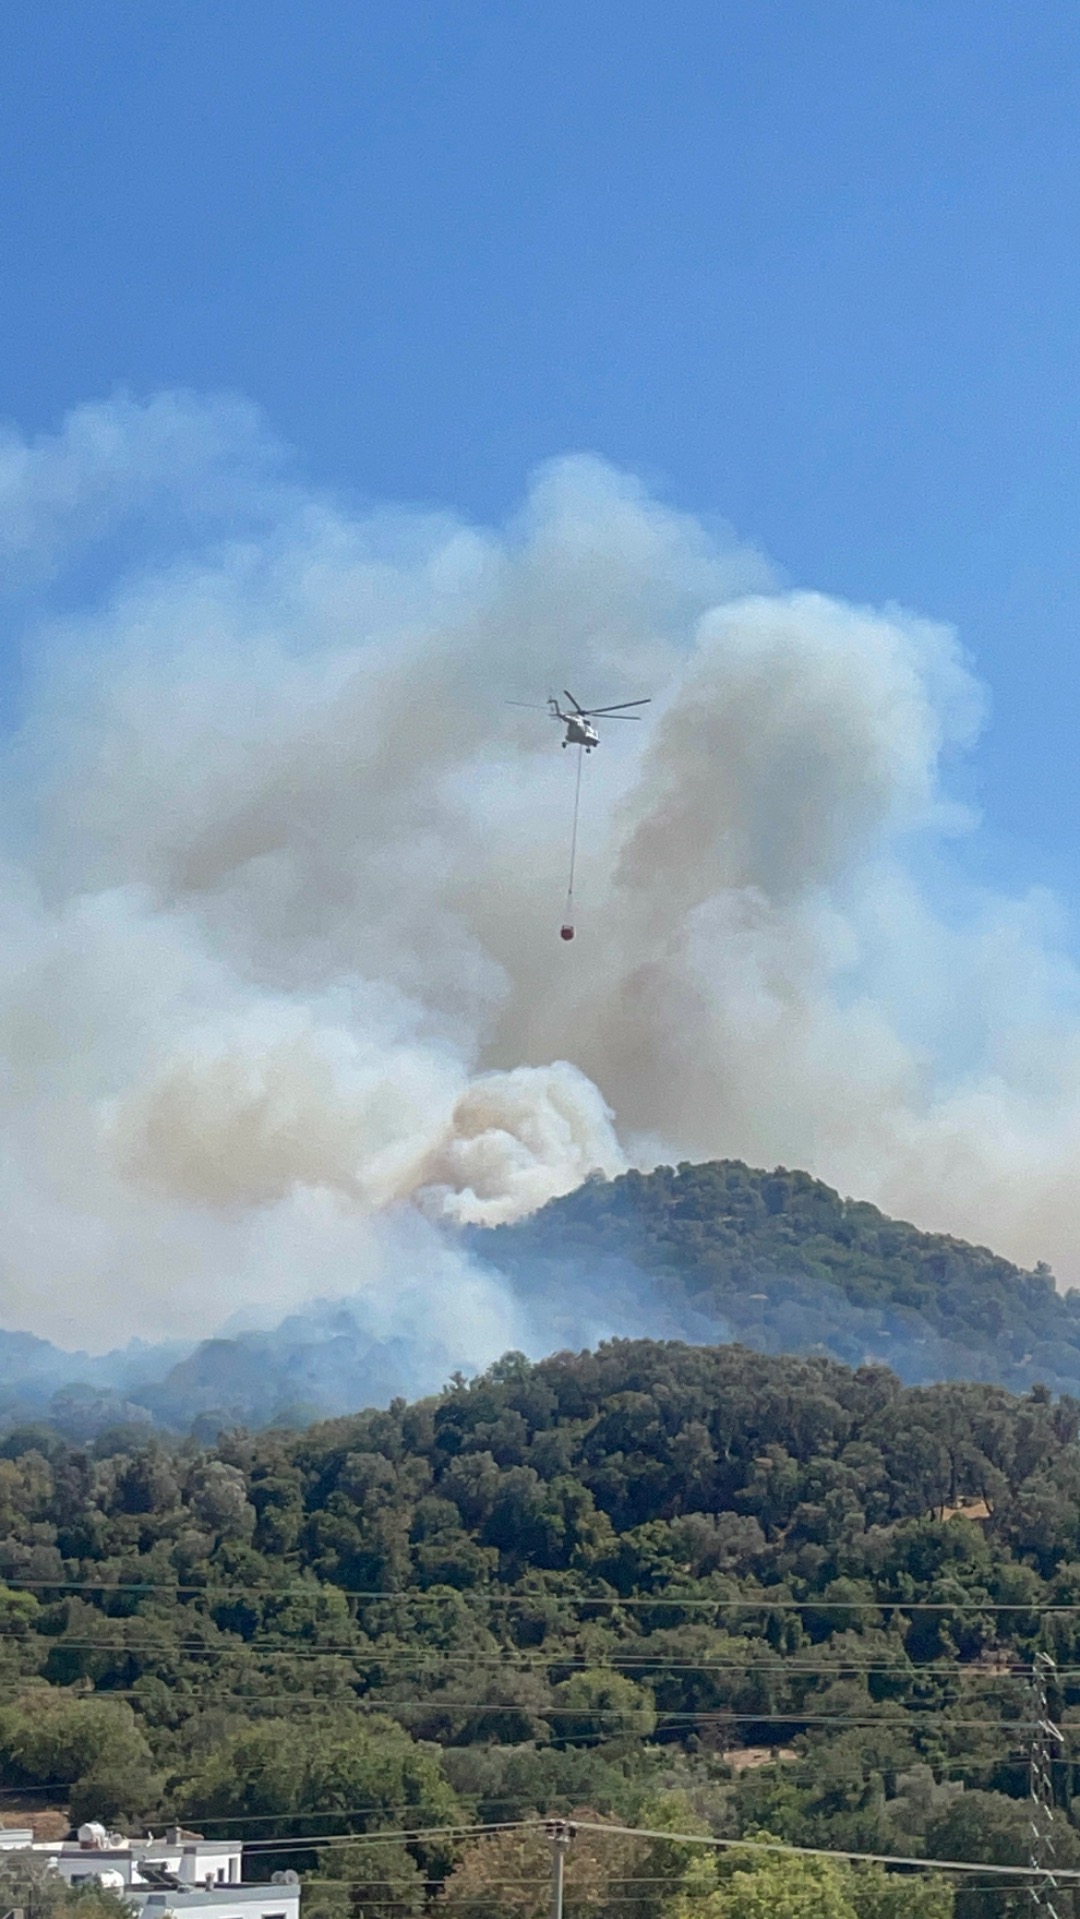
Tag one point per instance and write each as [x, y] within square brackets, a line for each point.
[529, 706]
[613, 716]
[573, 702]
[601, 712]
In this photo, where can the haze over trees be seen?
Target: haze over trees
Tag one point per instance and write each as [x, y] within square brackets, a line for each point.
[775, 1260]
[781, 1262]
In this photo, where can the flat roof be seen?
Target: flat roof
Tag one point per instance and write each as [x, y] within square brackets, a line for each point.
[224, 1895]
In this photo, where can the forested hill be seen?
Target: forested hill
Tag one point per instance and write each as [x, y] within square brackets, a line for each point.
[781, 1262]
[683, 1587]
[774, 1260]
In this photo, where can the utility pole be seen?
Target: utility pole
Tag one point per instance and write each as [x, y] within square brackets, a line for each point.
[1046, 1740]
[560, 1832]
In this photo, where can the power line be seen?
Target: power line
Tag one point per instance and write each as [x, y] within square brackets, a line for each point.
[823, 1852]
[751, 1602]
[527, 1827]
[893, 1716]
[360, 1672]
[292, 1841]
[189, 1695]
[521, 1658]
[285, 1842]
[613, 1830]
[245, 1818]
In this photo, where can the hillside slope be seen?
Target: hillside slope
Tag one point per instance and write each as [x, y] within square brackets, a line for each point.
[665, 1582]
[775, 1261]
[779, 1261]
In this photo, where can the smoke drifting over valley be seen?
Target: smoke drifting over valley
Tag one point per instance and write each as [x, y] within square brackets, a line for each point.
[281, 988]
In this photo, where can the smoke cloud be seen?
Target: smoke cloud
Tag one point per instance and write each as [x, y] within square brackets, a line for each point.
[283, 874]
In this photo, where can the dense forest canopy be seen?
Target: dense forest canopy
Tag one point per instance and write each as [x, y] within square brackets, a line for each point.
[732, 1592]
[775, 1260]
[781, 1262]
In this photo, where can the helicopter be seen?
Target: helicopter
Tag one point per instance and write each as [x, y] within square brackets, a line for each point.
[579, 732]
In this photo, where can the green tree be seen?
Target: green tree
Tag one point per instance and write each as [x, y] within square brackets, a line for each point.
[95, 1746]
[877, 1894]
[603, 1705]
[343, 1774]
[768, 1885]
[989, 1827]
[352, 1882]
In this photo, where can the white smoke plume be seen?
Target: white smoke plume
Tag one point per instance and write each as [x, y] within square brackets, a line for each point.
[283, 875]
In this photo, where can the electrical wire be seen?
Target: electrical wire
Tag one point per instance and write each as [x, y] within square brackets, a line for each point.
[749, 1602]
[612, 1830]
[828, 1852]
[510, 1660]
[899, 1719]
[295, 1841]
[528, 1827]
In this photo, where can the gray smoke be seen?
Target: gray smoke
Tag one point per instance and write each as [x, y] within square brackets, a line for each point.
[284, 874]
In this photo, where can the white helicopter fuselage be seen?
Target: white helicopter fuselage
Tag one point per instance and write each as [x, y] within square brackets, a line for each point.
[579, 732]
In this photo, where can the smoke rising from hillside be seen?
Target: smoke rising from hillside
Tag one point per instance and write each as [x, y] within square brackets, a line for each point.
[283, 877]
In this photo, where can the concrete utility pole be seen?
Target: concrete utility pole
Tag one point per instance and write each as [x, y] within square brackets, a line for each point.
[1046, 1741]
[560, 1832]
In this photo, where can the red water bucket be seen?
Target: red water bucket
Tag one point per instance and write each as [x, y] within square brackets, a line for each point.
[566, 932]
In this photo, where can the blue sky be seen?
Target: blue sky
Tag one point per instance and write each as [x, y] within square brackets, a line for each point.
[808, 265]
[280, 870]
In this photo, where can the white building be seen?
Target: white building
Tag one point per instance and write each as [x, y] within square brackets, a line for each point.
[218, 1902]
[178, 1874]
[183, 1856]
